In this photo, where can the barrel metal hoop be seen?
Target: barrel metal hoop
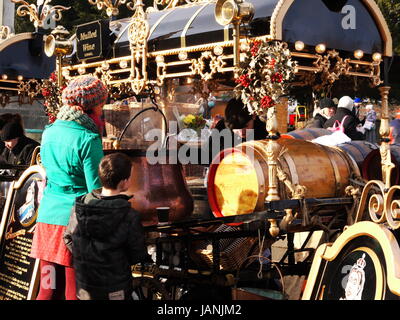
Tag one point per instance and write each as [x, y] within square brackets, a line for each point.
[292, 168]
[336, 171]
[349, 159]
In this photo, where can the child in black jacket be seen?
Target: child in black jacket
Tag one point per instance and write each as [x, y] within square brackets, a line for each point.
[105, 235]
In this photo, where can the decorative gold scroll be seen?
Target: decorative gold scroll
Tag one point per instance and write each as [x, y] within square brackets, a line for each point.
[5, 32]
[331, 67]
[138, 33]
[211, 60]
[384, 130]
[381, 203]
[38, 18]
[110, 5]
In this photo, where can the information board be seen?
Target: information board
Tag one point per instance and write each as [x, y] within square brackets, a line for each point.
[18, 272]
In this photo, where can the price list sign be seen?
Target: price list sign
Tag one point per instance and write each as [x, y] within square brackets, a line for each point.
[19, 272]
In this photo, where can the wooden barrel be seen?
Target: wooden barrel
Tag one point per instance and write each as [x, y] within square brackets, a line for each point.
[306, 133]
[358, 150]
[238, 178]
[372, 168]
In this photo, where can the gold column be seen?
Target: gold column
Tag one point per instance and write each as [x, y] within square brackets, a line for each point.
[59, 71]
[273, 149]
[138, 33]
[236, 48]
[386, 161]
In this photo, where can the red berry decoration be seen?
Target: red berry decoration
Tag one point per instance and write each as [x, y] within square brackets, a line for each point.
[264, 76]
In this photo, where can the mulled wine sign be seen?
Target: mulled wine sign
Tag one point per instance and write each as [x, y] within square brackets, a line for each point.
[18, 272]
[92, 40]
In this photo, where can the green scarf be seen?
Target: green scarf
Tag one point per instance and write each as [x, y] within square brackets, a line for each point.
[70, 114]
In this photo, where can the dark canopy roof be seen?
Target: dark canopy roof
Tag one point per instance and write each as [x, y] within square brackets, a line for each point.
[22, 55]
[310, 21]
[169, 29]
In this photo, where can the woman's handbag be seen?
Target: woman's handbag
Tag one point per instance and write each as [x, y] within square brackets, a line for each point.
[337, 137]
[338, 125]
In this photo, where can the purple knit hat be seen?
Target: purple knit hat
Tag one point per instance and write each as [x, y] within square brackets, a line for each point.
[86, 92]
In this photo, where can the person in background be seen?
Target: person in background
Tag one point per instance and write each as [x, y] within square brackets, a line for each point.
[18, 151]
[237, 124]
[105, 235]
[351, 123]
[327, 110]
[71, 152]
[369, 124]
[18, 148]
[394, 134]
[357, 106]
[8, 117]
[207, 106]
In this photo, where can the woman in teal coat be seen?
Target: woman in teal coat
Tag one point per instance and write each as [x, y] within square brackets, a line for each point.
[71, 151]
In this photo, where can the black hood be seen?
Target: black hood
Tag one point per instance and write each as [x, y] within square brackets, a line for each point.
[99, 215]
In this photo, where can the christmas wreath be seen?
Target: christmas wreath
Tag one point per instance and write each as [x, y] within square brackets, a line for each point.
[264, 76]
[52, 97]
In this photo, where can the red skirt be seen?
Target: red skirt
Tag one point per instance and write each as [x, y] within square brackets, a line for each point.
[48, 244]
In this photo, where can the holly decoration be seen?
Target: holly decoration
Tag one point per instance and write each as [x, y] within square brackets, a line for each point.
[264, 76]
[52, 97]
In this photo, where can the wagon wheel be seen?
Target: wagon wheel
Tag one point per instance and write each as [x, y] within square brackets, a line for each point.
[150, 289]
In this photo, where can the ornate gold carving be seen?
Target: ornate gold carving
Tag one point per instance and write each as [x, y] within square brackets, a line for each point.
[330, 251]
[38, 18]
[322, 72]
[28, 90]
[137, 33]
[273, 150]
[297, 191]
[382, 208]
[5, 32]
[215, 63]
[352, 191]
[386, 161]
[331, 67]
[387, 165]
[273, 229]
[110, 5]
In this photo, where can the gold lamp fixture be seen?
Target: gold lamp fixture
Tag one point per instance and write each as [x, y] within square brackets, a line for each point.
[110, 5]
[57, 43]
[37, 15]
[235, 12]
[230, 11]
